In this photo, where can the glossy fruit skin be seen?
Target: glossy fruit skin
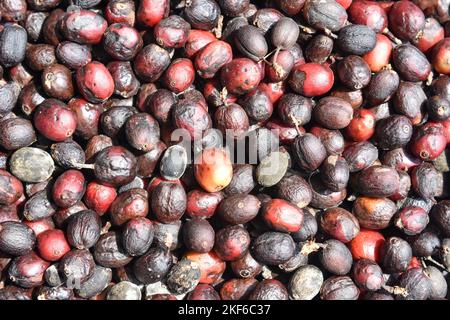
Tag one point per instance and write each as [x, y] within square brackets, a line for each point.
[380, 55]
[213, 170]
[52, 245]
[95, 82]
[368, 13]
[151, 12]
[68, 188]
[333, 113]
[362, 126]
[240, 76]
[309, 152]
[211, 266]
[382, 86]
[339, 224]
[88, 117]
[99, 197]
[412, 220]
[196, 41]
[212, 57]
[366, 245]
[432, 34]
[311, 79]
[179, 75]
[428, 142]
[440, 54]
[150, 63]
[83, 26]
[198, 235]
[54, 120]
[153, 266]
[335, 257]
[282, 216]
[251, 42]
[378, 181]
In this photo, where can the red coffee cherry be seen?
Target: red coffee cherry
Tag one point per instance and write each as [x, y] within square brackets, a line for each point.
[240, 76]
[172, 32]
[212, 57]
[95, 82]
[311, 79]
[52, 245]
[179, 76]
[83, 26]
[151, 12]
[68, 188]
[54, 120]
[99, 197]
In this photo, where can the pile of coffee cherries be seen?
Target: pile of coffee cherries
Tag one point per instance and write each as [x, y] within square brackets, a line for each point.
[224, 149]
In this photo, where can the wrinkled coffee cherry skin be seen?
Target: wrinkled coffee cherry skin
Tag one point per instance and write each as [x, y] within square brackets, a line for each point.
[231, 243]
[16, 238]
[83, 26]
[339, 224]
[11, 188]
[122, 42]
[83, 229]
[115, 166]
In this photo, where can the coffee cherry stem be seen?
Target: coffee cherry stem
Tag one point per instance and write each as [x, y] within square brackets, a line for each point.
[307, 30]
[433, 261]
[297, 125]
[84, 166]
[218, 29]
[429, 79]
[329, 33]
[267, 273]
[311, 246]
[391, 37]
[396, 290]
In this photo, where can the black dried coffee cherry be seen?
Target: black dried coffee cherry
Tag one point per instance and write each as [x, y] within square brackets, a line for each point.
[83, 229]
[273, 248]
